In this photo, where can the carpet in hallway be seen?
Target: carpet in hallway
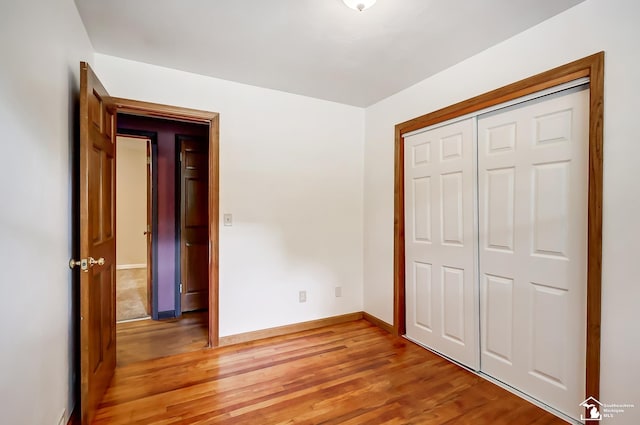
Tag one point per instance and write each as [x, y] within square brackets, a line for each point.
[131, 294]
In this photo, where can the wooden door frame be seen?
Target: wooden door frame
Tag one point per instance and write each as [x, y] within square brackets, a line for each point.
[152, 137]
[591, 67]
[155, 110]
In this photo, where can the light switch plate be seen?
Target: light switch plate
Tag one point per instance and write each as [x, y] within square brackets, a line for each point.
[228, 220]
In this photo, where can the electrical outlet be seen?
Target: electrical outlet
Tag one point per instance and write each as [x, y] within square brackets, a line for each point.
[302, 296]
[228, 219]
[338, 291]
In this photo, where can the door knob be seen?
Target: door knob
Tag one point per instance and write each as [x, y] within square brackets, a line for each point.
[93, 261]
[86, 263]
[82, 263]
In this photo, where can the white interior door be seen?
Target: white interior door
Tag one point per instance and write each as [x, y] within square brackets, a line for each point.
[533, 174]
[441, 290]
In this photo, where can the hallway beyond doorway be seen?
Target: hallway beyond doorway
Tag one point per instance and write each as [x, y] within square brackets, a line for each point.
[131, 294]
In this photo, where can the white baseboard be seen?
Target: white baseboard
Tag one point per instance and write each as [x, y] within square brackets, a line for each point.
[130, 266]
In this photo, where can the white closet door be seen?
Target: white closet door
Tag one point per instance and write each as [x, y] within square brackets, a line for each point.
[439, 241]
[533, 182]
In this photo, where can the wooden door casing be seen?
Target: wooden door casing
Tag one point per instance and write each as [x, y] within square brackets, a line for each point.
[149, 230]
[212, 119]
[194, 241]
[97, 240]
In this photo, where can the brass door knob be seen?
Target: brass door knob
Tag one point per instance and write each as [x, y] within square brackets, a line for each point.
[93, 261]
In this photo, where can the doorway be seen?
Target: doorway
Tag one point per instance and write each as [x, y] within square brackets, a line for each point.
[176, 232]
[180, 229]
[210, 120]
[137, 219]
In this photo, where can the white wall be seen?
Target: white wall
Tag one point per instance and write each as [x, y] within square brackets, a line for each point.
[41, 45]
[595, 25]
[291, 173]
[131, 201]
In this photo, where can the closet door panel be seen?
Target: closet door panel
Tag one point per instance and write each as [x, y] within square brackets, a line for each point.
[440, 270]
[532, 171]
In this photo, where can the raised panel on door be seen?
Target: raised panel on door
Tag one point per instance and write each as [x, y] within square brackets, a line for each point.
[421, 209]
[548, 332]
[532, 170]
[549, 208]
[500, 200]
[453, 314]
[497, 335]
[439, 215]
[452, 209]
[421, 280]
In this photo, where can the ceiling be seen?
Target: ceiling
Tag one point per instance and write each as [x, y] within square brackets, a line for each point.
[317, 48]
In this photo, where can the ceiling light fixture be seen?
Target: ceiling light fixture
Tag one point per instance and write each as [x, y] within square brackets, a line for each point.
[359, 4]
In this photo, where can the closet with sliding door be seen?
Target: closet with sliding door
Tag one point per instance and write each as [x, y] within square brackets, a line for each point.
[496, 237]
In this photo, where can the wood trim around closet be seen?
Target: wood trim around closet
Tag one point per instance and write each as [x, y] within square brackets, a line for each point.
[591, 67]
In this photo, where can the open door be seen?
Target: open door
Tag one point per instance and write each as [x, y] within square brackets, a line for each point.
[194, 222]
[97, 242]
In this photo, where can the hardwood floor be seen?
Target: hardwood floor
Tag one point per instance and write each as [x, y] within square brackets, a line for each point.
[149, 339]
[352, 373]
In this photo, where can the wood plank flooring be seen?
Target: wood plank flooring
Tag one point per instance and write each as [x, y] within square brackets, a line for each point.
[352, 373]
[149, 339]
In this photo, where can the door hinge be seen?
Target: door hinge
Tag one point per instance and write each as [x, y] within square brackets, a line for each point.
[148, 160]
[180, 156]
[181, 288]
